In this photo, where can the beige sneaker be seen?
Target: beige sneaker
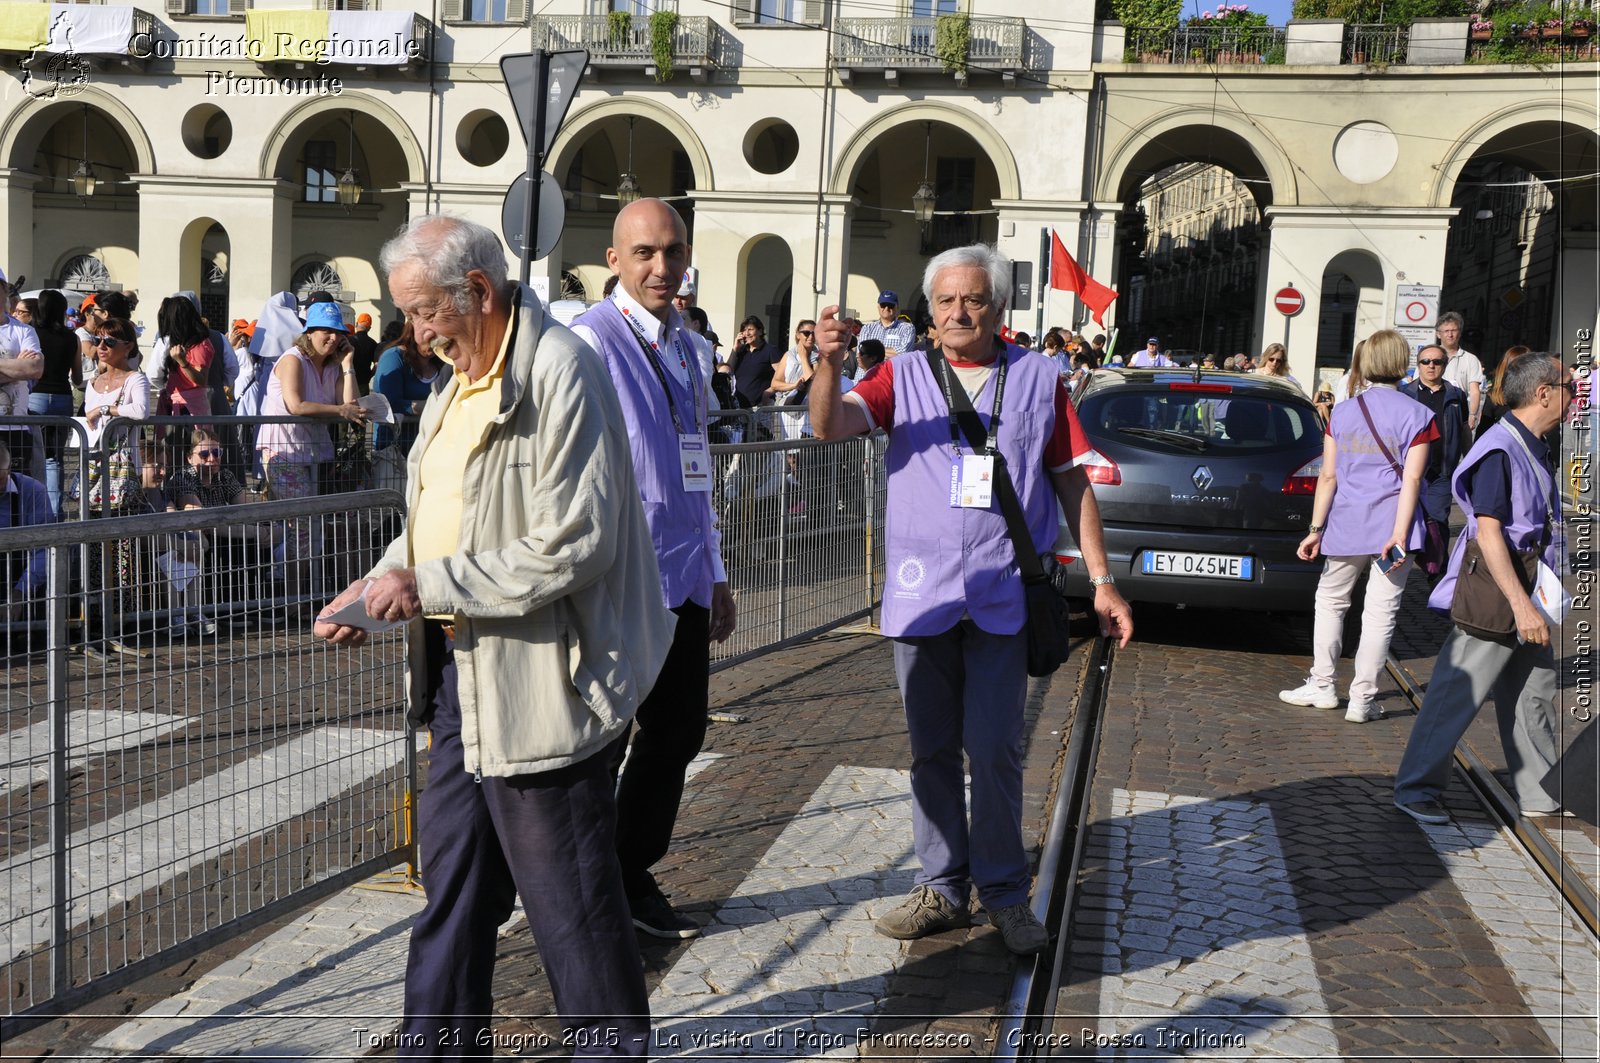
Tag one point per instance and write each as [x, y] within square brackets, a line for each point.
[1020, 929]
[924, 911]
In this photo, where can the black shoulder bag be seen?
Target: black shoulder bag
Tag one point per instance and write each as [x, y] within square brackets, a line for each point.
[1048, 622]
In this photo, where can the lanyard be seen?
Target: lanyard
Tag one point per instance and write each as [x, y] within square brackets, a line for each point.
[948, 384]
[653, 356]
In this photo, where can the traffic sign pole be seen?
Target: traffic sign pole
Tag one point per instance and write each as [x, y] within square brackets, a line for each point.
[535, 166]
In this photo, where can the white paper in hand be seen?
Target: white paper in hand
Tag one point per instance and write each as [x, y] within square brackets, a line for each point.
[354, 614]
[1549, 596]
[377, 404]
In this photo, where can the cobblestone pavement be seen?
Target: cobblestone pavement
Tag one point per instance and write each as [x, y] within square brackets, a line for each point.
[1249, 890]
[795, 833]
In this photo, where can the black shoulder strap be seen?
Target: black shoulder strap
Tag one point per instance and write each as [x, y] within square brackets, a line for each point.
[978, 439]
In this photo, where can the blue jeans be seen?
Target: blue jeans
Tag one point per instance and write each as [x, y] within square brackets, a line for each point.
[55, 442]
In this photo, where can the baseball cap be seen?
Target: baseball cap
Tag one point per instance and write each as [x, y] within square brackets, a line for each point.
[239, 323]
[363, 320]
[1155, 340]
[325, 315]
[84, 306]
[886, 296]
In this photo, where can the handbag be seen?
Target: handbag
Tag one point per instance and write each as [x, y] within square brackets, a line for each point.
[1479, 607]
[1048, 625]
[126, 488]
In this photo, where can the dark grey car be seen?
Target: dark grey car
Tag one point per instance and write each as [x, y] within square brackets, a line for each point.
[1204, 481]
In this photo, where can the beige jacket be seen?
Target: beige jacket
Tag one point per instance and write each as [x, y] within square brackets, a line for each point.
[560, 630]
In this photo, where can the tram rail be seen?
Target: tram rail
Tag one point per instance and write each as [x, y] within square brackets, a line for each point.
[1030, 1005]
[1575, 890]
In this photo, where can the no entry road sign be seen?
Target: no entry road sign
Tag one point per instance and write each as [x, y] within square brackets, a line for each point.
[1288, 302]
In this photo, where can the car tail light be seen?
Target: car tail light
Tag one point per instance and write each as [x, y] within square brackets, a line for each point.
[1101, 469]
[1303, 481]
[1222, 389]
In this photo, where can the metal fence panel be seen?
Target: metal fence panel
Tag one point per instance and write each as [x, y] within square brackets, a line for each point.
[801, 537]
[182, 756]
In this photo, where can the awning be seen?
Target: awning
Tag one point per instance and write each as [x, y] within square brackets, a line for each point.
[349, 38]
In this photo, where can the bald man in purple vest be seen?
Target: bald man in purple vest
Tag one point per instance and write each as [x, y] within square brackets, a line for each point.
[953, 602]
[1507, 489]
[662, 382]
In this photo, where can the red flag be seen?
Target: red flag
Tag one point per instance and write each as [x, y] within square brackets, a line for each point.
[1068, 276]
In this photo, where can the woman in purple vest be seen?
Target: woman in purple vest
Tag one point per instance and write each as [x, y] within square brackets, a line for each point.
[1364, 520]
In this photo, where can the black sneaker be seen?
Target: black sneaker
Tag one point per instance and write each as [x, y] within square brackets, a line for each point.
[1425, 810]
[653, 915]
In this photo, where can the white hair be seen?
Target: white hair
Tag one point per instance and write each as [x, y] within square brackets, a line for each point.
[447, 248]
[981, 256]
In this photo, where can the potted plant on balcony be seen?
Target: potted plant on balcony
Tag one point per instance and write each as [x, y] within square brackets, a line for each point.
[951, 34]
[619, 26]
[1241, 33]
[1581, 28]
[1150, 25]
[1482, 29]
[663, 34]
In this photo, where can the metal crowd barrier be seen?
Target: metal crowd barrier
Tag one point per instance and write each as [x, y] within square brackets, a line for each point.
[802, 538]
[183, 758]
[63, 438]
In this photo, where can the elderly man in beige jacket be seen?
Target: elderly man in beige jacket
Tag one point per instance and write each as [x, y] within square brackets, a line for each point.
[530, 582]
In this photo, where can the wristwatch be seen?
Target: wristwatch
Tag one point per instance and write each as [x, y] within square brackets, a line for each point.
[1103, 581]
[1316, 528]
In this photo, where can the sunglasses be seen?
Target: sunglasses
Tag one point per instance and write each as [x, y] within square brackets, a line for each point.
[108, 341]
[1430, 361]
[210, 452]
[887, 306]
[807, 333]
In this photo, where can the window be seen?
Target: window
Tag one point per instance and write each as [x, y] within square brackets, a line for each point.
[207, 8]
[486, 11]
[85, 273]
[322, 183]
[777, 12]
[929, 8]
[316, 276]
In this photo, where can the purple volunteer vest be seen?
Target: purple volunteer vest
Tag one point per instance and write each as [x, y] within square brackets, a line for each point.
[1364, 505]
[944, 563]
[1530, 506]
[676, 517]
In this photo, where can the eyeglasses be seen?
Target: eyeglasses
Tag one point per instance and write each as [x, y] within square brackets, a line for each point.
[209, 452]
[1430, 361]
[108, 341]
[807, 333]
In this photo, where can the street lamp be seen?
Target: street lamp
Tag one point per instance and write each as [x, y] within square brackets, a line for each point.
[923, 199]
[83, 178]
[628, 190]
[349, 186]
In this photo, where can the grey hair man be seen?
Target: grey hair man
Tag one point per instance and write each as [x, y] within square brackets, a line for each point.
[532, 593]
[954, 604]
[1463, 369]
[1505, 485]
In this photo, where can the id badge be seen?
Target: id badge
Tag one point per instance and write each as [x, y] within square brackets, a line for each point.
[695, 460]
[972, 481]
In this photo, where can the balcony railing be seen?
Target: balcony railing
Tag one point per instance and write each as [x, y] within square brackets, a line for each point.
[698, 44]
[1375, 43]
[110, 36]
[907, 44]
[1536, 45]
[1221, 45]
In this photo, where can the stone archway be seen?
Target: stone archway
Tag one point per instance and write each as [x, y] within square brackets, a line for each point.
[846, 171]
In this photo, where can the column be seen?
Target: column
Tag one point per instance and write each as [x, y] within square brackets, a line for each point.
[17, 237]
[1408, 243]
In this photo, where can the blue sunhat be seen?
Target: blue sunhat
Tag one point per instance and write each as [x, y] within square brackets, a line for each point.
[325, 315]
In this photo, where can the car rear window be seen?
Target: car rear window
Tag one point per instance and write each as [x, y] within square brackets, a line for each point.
[1199, 420]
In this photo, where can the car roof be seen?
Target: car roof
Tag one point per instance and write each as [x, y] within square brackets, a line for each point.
[1115, 377]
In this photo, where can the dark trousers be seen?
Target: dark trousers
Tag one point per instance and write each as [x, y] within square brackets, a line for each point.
[668, 732]
[547, 836]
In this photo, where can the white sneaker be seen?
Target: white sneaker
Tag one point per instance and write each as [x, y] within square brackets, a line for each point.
[1362, 711]
[1311, 695]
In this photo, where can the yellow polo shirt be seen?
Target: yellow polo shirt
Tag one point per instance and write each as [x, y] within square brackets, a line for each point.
[436, 522]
